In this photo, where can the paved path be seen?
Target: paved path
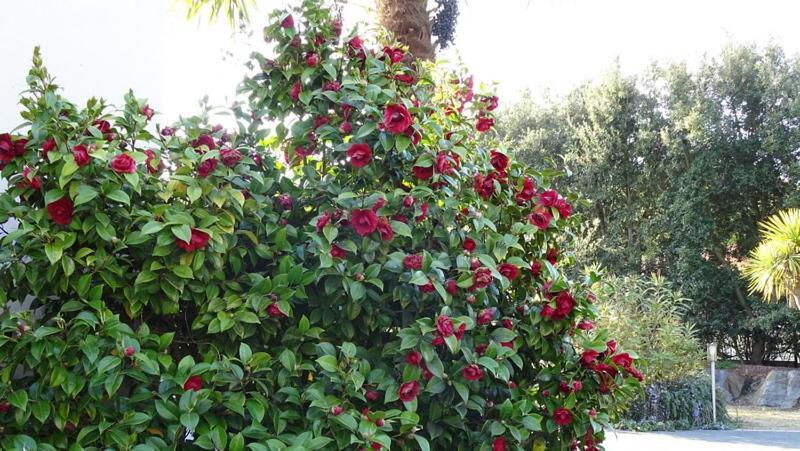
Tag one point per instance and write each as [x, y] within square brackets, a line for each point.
[737, 440]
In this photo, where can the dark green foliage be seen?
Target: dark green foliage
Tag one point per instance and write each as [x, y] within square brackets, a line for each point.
[680, 166]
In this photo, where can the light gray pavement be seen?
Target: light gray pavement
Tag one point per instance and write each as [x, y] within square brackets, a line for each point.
[736, 440]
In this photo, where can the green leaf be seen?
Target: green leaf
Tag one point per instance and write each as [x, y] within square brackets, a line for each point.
[401, 229]
[194, 193]
[236, 443]
[119, 196]
[422, 442]
[288, 360]
[357, 290]
[41, 410]
[19, 399]
[182, 271]
[365, 130]
[183, 232]
[85, 194]
[402, 142]
[53, 251]
[328, 363]
[108, 363]
[153, 227]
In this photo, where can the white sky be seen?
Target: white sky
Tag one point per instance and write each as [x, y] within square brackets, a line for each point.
[102, 47]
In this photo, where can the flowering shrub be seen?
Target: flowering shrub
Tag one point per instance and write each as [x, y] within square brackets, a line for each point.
[383, 283]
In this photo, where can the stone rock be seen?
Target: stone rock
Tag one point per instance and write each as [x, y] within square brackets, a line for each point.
[731, 382]
[781, 388]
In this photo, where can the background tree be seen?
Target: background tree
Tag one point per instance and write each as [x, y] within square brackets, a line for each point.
[694, 160]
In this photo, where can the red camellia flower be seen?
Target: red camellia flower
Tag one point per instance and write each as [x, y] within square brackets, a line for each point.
[274, 310]
[508, 270]
[414, 358]
[422, 172]
[395, 54]
[469, 244]
[423, 213]
[611, 346]
[123, 164]
[6, 149]
[312, 59]
[19, 147]
[61, 210]
[363, 222]
[372, 395]
[396, 118]
[337, 410]
[49, 145]
[491, 102]
[585, 325]
[484, 124]
[472, 372]
[499, 444]
[322, 221]
[413, 261]
[536, 268]
[385, 229]
[287, 22]
[294, 93]
[130, 351]
[481, 278]
[484, 185]
[527, 191]
[360, 155]
[193, 383]
[564, 209]
[444, 325]
[577, 385]
[588, 357]
[346, 128]
[451, 286]
[485, 316]
[499, 161]
[408, 391]
[207, 167]
[622, 359]
[549, 198]
[204, 140]
[565, 303]
[151, 168]
[35, 182]
[552, 255]
[337, 252]
[5, 407]
[481, 348]
[404, 78]
[541, 218]
[148, 112]
[81, 155]
[105, 129]
[562, 416]
[198, 240]
[230, 157]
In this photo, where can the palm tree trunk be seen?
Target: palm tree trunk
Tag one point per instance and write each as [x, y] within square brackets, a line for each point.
[410, 23]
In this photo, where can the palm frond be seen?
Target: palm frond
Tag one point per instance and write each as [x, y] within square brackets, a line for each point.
[773, 268]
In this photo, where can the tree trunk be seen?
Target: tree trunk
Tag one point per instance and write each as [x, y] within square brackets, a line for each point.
[410, 23]
[758, 349]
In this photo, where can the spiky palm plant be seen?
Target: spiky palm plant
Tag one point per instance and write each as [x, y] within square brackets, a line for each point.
[773, 268]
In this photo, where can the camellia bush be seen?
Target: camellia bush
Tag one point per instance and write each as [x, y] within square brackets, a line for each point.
[344, 269]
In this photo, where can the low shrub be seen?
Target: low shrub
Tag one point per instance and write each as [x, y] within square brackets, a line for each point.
[684, 403]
